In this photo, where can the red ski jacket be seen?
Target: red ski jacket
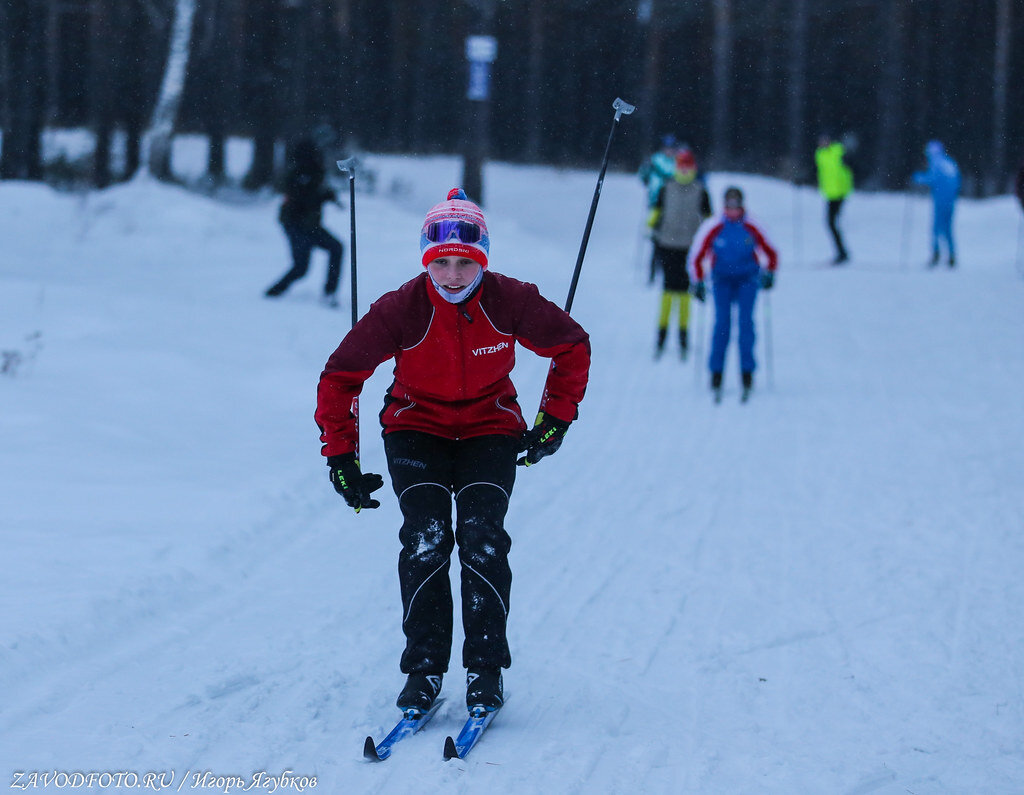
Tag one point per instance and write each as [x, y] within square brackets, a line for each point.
[452, 362]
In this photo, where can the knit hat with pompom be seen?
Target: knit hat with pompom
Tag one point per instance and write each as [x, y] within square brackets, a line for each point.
[445, 218]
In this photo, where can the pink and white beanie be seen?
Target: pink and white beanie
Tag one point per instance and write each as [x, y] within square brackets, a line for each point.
[456, 208]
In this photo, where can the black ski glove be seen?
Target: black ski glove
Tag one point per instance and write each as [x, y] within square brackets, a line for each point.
[767, 280]
[699, 291]
[543, 439]
[351, 483]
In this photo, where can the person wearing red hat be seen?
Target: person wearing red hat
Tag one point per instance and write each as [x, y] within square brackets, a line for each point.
[452, 430]
[679, 209]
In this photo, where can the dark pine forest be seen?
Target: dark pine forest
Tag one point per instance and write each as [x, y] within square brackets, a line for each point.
[749, 84]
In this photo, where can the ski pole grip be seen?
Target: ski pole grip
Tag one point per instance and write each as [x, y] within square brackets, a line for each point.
[622, 108]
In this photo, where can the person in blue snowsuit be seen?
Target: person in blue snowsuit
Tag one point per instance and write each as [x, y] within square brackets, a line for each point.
[943, 178]
[732, 245]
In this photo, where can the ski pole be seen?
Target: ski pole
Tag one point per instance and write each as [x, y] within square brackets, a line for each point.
[769, 358]
[348, 166]
[641, 250]
[698, 348]
[907, 219]
[798, 235]
[1020, 244]
[622, 108]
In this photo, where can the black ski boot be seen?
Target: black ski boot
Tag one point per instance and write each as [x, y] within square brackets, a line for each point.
[748, 385]
[716, 386]
[684, 344]
[419, 693]
[659, 346]
[484, 690]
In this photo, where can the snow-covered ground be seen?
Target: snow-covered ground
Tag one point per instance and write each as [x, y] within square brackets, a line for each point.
[817, 592]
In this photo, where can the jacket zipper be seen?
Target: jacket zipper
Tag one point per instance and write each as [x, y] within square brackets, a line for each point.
[462, 347]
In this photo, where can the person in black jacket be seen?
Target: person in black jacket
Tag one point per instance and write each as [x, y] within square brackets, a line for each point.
[300, 215]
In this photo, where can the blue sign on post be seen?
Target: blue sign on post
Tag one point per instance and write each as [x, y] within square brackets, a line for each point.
[480, 52]
[479, 80]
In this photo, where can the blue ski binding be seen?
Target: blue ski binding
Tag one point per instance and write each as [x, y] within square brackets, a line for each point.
[412, 721]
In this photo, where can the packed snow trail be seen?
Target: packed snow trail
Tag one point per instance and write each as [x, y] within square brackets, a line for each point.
[815, 591]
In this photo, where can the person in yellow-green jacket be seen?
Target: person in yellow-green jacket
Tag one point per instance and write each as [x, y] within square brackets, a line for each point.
[679, 208]
[835, 181]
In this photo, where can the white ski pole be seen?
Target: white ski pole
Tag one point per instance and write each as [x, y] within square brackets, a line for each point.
[769, 357]
[907, 224]
[698, 348]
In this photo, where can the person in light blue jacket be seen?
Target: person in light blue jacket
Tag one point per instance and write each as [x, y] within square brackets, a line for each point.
[943, 178]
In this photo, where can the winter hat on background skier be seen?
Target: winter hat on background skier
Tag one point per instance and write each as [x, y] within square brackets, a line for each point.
[934, 149]
[455, 228]
[733, 202]
[685, 161]
[686, 166]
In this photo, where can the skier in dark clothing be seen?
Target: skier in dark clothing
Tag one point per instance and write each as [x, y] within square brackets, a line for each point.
[452, 430]
[300, 215]
[680, 206]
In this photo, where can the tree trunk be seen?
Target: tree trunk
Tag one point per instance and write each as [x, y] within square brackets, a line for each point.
[23, 67]
[293, 55]
[889, 99]
[922, 104]
[797, 109]
[478, 131]
[137, 42]
[533, 101]
[161, 127]
[401, 36]
[226, 46]
[424, 88]
[999, 179]
[102, 69]
[53, 44]
[648, 101]
[264, 120]
[721, 99]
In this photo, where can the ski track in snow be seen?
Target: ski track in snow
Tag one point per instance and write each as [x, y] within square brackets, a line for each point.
[817, 591]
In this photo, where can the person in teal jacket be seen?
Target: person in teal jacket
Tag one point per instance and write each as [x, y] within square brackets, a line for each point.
[943, 178]
[654, 172]
[835, 181]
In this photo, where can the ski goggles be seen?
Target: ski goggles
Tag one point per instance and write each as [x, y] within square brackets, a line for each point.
[443, 231]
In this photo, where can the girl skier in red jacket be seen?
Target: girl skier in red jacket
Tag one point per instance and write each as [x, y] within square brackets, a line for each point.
[452, 429]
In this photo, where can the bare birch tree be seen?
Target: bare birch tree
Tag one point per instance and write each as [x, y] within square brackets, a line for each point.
[157, 143]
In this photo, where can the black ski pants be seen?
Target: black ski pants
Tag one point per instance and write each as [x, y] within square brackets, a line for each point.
[427, 472]
[302, 242]
[835, 206]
